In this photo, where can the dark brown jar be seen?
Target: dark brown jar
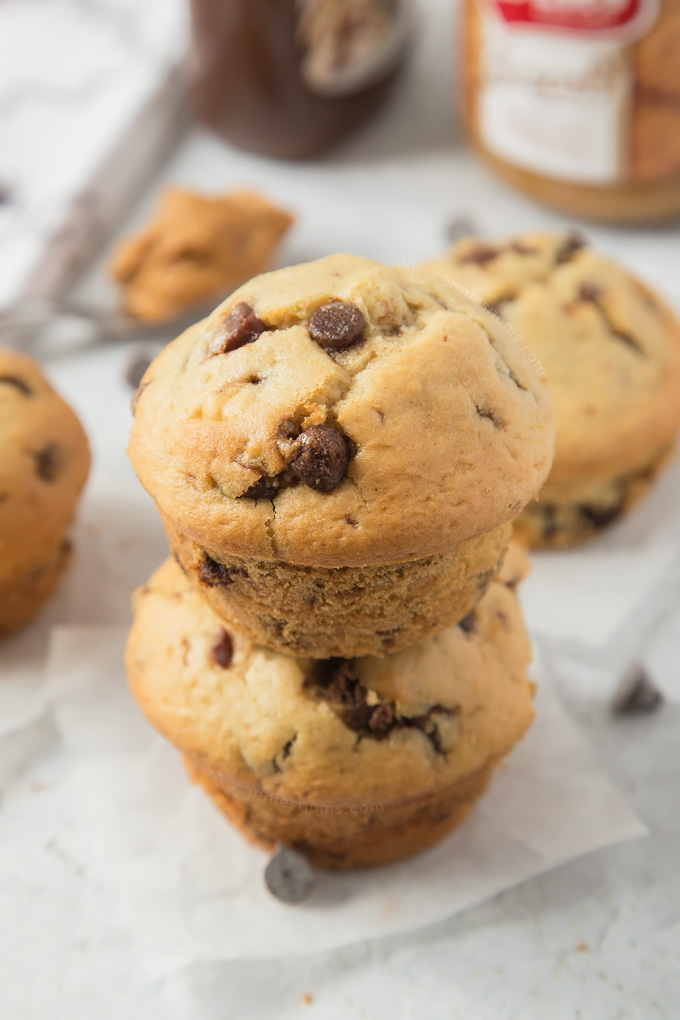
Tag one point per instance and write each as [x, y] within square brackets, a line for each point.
[291, 77]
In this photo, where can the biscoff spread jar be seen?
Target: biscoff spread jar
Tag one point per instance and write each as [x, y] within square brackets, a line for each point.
[578, 101]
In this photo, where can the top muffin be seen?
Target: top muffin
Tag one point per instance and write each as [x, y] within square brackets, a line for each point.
[342, 412]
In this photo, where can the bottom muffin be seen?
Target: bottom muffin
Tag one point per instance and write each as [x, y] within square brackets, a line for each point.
[569, 511]
[354, 762]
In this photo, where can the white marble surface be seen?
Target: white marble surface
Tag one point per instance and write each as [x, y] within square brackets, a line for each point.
[598, 939]
[89, 94]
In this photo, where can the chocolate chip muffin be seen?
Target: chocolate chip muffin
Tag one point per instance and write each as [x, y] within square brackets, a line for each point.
[610, 348]
[337, 452]
[353, 761]
[44, 460]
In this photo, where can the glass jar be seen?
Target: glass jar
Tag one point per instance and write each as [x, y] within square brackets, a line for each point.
[291, 77]
[577, 102]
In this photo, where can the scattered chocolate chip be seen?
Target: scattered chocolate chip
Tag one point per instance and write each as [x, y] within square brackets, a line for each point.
[467, 624]
[289, 876]
[480, 256]
[338, 324]
[636, 694]
[222, 649]
[588, 292]
[213, 573]
[459, 227]
[572, 244]
[136, 367]
[323, 457]
[241, 327]
[48, 462]
[17, 383]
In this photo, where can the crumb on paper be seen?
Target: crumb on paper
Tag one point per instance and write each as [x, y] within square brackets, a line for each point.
[307, 999]
[195, 247]
[582, 947]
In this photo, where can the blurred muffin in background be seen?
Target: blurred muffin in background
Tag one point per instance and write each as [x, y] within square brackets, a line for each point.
[44, 461]
[610, 349]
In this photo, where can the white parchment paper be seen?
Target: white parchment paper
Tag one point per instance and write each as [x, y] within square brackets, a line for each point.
[193, 887]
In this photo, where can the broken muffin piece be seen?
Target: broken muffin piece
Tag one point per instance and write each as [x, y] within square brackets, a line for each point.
[195, 247]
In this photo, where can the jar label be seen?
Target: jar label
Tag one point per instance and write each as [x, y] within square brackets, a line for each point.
[577, 90]
[348, 45]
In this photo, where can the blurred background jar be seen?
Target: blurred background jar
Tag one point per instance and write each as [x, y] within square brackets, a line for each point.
[578, 103]
[290, 78]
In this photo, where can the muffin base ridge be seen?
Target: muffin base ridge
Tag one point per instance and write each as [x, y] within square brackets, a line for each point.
[323, 612]
[558, 523]
[338, 837]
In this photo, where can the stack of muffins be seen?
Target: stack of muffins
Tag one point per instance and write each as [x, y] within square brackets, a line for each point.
[337, 454]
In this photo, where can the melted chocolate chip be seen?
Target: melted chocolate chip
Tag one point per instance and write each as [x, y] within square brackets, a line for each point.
[339, 685]
[241, 327]
[222, 649]
[213, 573]
[338, 324]
[572, 244]
[322, 458]
[48, 462]
[480, 256]
[17, 383]
[264, 488]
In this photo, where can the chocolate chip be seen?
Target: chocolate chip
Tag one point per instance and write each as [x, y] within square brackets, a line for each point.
[337, 325]
[599, 516]
[588, 292]
[479, 256]
[289, 876]
[17, 383]
[458, 228]
[322, 459]
[241, 327]
[572, 244]
[467, 624]
[222, 649]
[636, 694]
[136, 367]
[382, 717]
[48, 462]
[212, 573]
[264, 488]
